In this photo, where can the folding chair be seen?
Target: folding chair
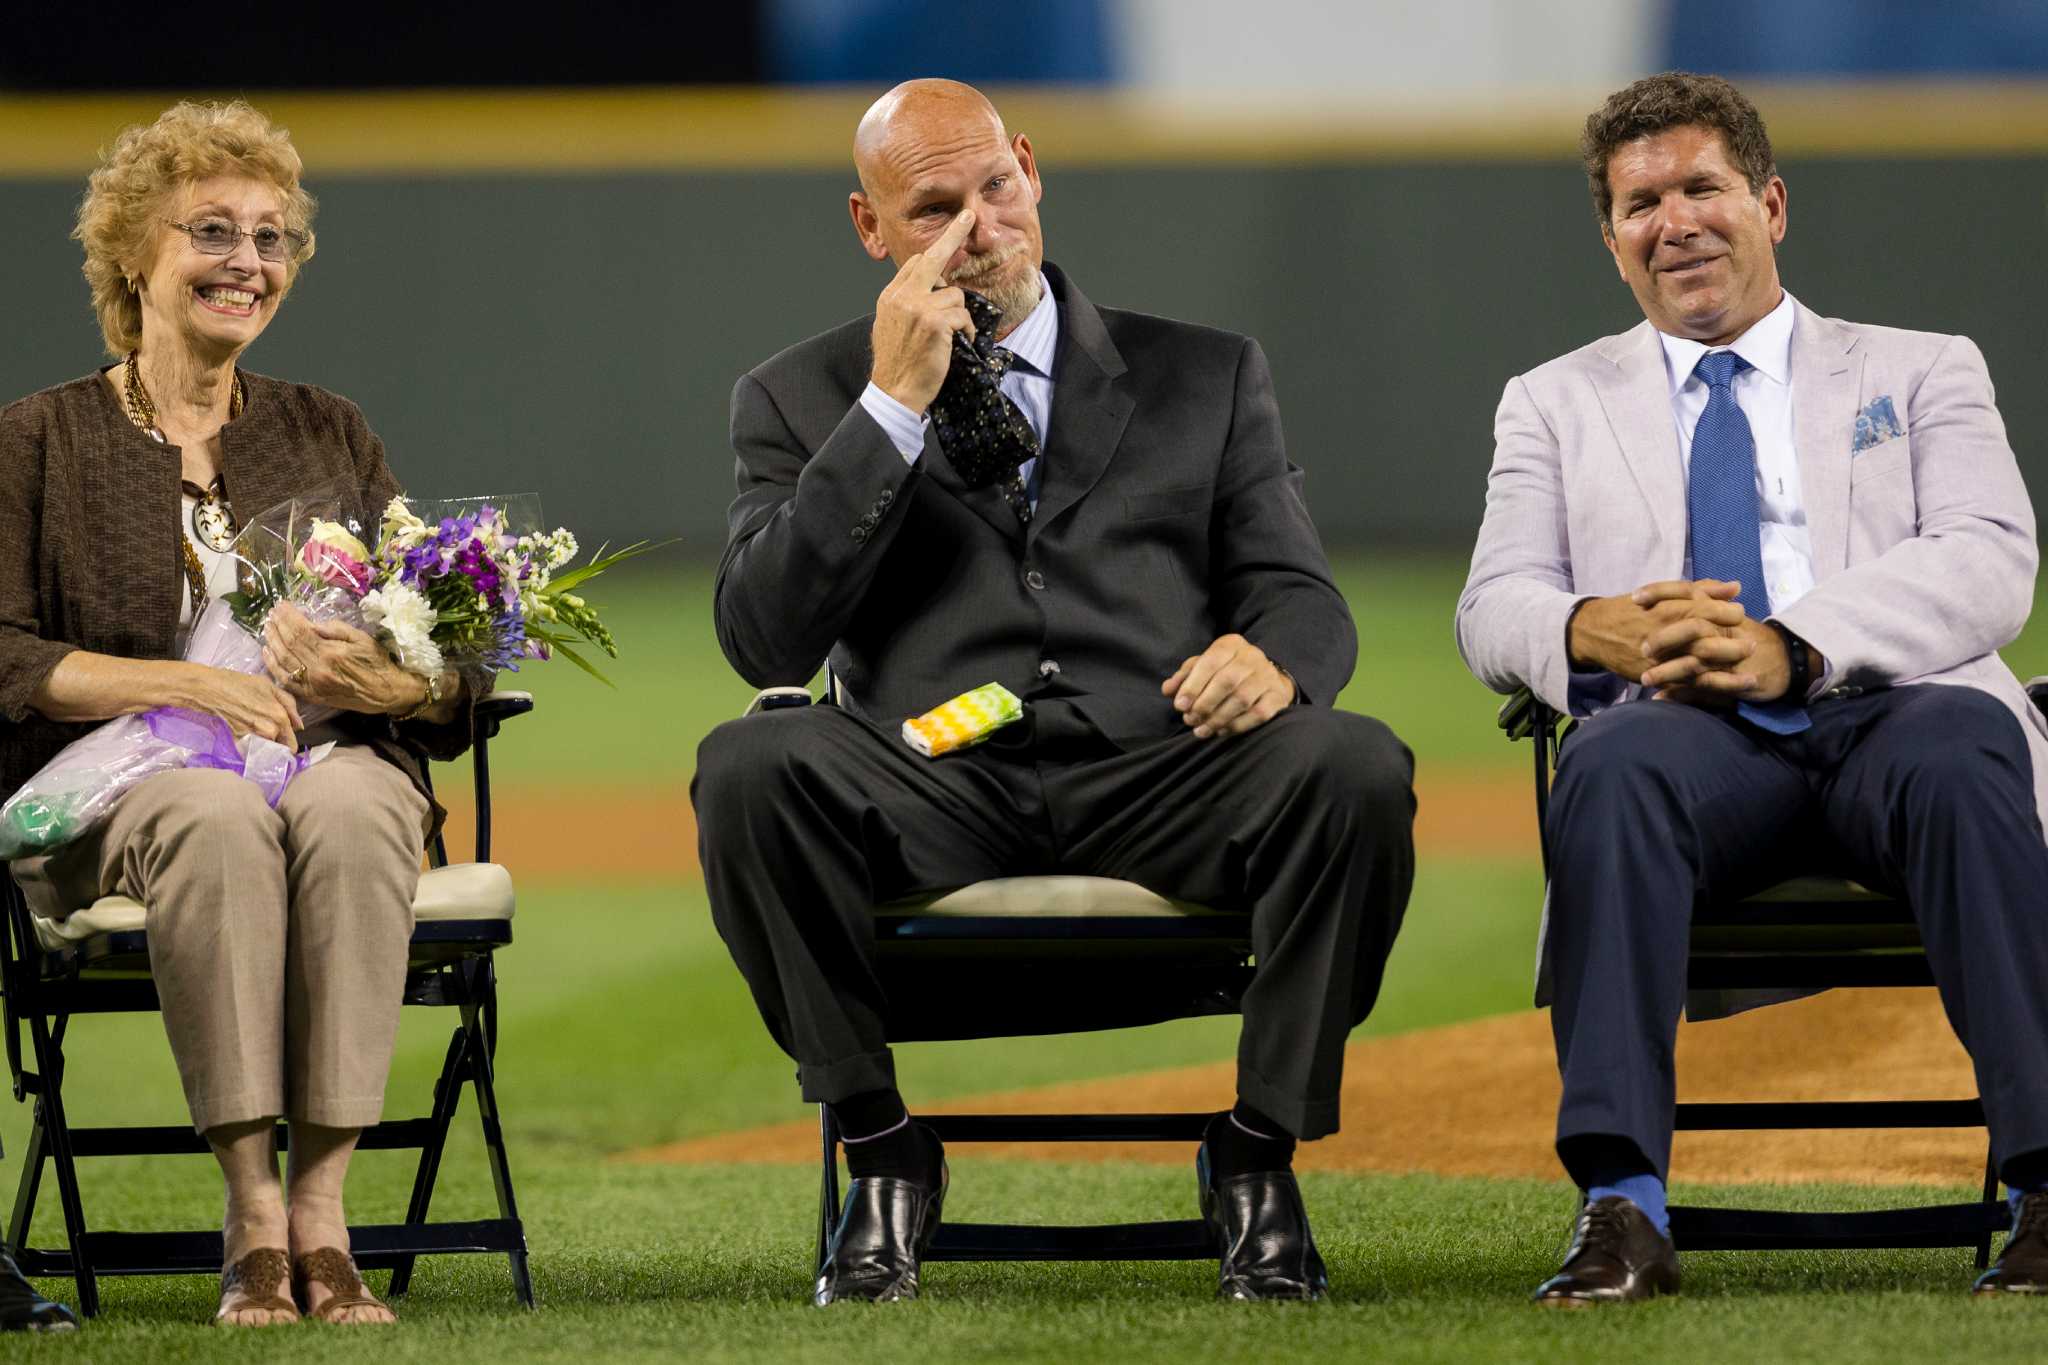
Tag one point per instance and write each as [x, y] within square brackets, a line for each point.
[1810, 933]
[1026, 956]
[96, 961]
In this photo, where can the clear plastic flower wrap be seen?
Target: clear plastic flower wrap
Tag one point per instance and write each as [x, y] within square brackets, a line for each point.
[308, 552]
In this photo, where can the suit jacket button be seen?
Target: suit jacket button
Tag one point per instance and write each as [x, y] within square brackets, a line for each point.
[1034, 580]
[888, 496]
[860, 533]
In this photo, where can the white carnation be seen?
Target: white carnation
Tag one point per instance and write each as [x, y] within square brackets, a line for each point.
[403, 620]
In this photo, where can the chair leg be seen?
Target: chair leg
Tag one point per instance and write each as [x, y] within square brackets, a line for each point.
[1990, 1197]
[31, 1183]
[828, 1192]
[50, 1061]
[484, 1000]
[447, 1096]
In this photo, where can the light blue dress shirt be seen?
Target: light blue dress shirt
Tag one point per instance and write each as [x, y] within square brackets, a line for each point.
[1028, 384]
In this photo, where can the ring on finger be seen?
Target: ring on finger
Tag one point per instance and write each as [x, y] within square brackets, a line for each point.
[297, 675]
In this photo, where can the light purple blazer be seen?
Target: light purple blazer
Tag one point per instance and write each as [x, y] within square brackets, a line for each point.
[1922, 532]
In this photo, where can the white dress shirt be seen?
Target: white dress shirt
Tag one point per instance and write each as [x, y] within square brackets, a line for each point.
[1764, 393]
[1028, 384]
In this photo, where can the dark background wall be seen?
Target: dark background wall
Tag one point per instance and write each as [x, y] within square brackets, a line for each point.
[579, 335]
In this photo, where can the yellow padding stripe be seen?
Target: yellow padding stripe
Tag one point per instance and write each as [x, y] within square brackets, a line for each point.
[711, 129]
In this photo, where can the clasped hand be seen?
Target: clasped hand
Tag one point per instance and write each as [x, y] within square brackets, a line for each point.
[330, 663]
[1686, 640]
[1229, 688]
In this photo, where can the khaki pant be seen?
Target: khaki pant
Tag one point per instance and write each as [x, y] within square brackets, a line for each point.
[277, 938]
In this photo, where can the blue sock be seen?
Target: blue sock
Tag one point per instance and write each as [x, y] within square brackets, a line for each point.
[2015, 1193]
[1645, 1191]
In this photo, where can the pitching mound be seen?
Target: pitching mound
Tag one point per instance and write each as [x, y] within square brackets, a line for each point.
[1481, 1099]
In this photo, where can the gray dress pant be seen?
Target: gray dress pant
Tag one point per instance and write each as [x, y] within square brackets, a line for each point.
[277, 938]
[807, 819]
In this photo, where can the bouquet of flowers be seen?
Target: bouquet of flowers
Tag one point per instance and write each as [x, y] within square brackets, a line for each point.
[476, 588]
[294, 545]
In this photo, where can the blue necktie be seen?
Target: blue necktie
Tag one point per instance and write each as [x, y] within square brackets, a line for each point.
[1721, 508]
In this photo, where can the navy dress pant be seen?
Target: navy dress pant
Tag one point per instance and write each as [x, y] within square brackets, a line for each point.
[808, 819]
[1925, 792]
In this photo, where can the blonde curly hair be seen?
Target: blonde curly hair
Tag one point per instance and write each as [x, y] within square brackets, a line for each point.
[128, 196]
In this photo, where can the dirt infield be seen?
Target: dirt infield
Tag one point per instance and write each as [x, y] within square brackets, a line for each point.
[651, 832]
[1479, 1099]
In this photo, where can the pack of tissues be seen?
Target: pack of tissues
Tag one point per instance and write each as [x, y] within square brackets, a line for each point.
[968, 719]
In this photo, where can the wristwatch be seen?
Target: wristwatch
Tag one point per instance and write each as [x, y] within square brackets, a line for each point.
[427, 703]
[1801, 663]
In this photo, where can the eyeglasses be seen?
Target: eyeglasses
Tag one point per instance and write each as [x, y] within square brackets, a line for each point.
[219, 237]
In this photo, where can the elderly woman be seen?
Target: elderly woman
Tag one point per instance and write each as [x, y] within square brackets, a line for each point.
[278, 938]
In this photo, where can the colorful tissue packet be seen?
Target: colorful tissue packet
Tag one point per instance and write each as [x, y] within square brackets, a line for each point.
[968, 719]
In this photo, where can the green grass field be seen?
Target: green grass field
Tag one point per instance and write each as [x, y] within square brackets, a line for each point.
[625, 1026]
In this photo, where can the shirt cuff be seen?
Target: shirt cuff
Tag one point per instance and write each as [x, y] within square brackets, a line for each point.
[904, 428]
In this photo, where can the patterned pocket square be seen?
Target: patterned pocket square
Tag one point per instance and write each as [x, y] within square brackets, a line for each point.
[1875, 425]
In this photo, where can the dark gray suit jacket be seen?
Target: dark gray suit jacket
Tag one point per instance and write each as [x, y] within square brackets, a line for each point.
[1168, 515]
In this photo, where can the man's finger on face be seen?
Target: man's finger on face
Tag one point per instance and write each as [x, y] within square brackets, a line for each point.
[935, 256]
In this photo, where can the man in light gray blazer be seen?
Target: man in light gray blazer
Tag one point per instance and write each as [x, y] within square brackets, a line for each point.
[1768, 559]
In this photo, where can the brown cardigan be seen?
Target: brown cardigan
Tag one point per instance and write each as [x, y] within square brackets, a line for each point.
[89, 554]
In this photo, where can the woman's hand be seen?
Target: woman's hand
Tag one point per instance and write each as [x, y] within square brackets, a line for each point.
[329, 663]
[250, 705]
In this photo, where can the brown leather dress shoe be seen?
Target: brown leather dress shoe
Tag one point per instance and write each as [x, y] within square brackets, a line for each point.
[1617, 1256]
[2022, 1268]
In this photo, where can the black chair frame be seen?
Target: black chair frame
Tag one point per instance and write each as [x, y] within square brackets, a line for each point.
[1805, 944]
[1021, 977]
[451, 964]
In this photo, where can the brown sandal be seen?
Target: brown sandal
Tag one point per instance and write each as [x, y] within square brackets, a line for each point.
[259, 1275]
[334, 1270]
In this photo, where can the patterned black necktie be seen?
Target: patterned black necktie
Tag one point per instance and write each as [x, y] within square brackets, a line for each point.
[985, 435]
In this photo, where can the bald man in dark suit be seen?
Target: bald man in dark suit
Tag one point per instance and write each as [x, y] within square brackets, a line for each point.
[1110, 528]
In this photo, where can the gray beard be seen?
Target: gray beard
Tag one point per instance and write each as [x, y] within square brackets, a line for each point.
[1016, 298]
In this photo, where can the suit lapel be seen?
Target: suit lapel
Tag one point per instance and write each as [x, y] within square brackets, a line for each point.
[1635, 393]
[1827, 376]
[1089, 408]
[986, 503]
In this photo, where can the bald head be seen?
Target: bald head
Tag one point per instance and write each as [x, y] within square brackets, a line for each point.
[930, 150]
[915, 120]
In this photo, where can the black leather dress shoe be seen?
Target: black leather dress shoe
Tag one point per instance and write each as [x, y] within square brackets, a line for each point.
[1262, 1239]
[2022, 1268]
[1617, 1256]
[24, 1310]
[884, 1228]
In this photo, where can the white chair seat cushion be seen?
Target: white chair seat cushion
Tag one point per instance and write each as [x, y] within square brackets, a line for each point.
[1812, 889]
[1057, 897]
[459, 891]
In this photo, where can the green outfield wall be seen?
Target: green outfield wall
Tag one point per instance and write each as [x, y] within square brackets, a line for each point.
[578, 332]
